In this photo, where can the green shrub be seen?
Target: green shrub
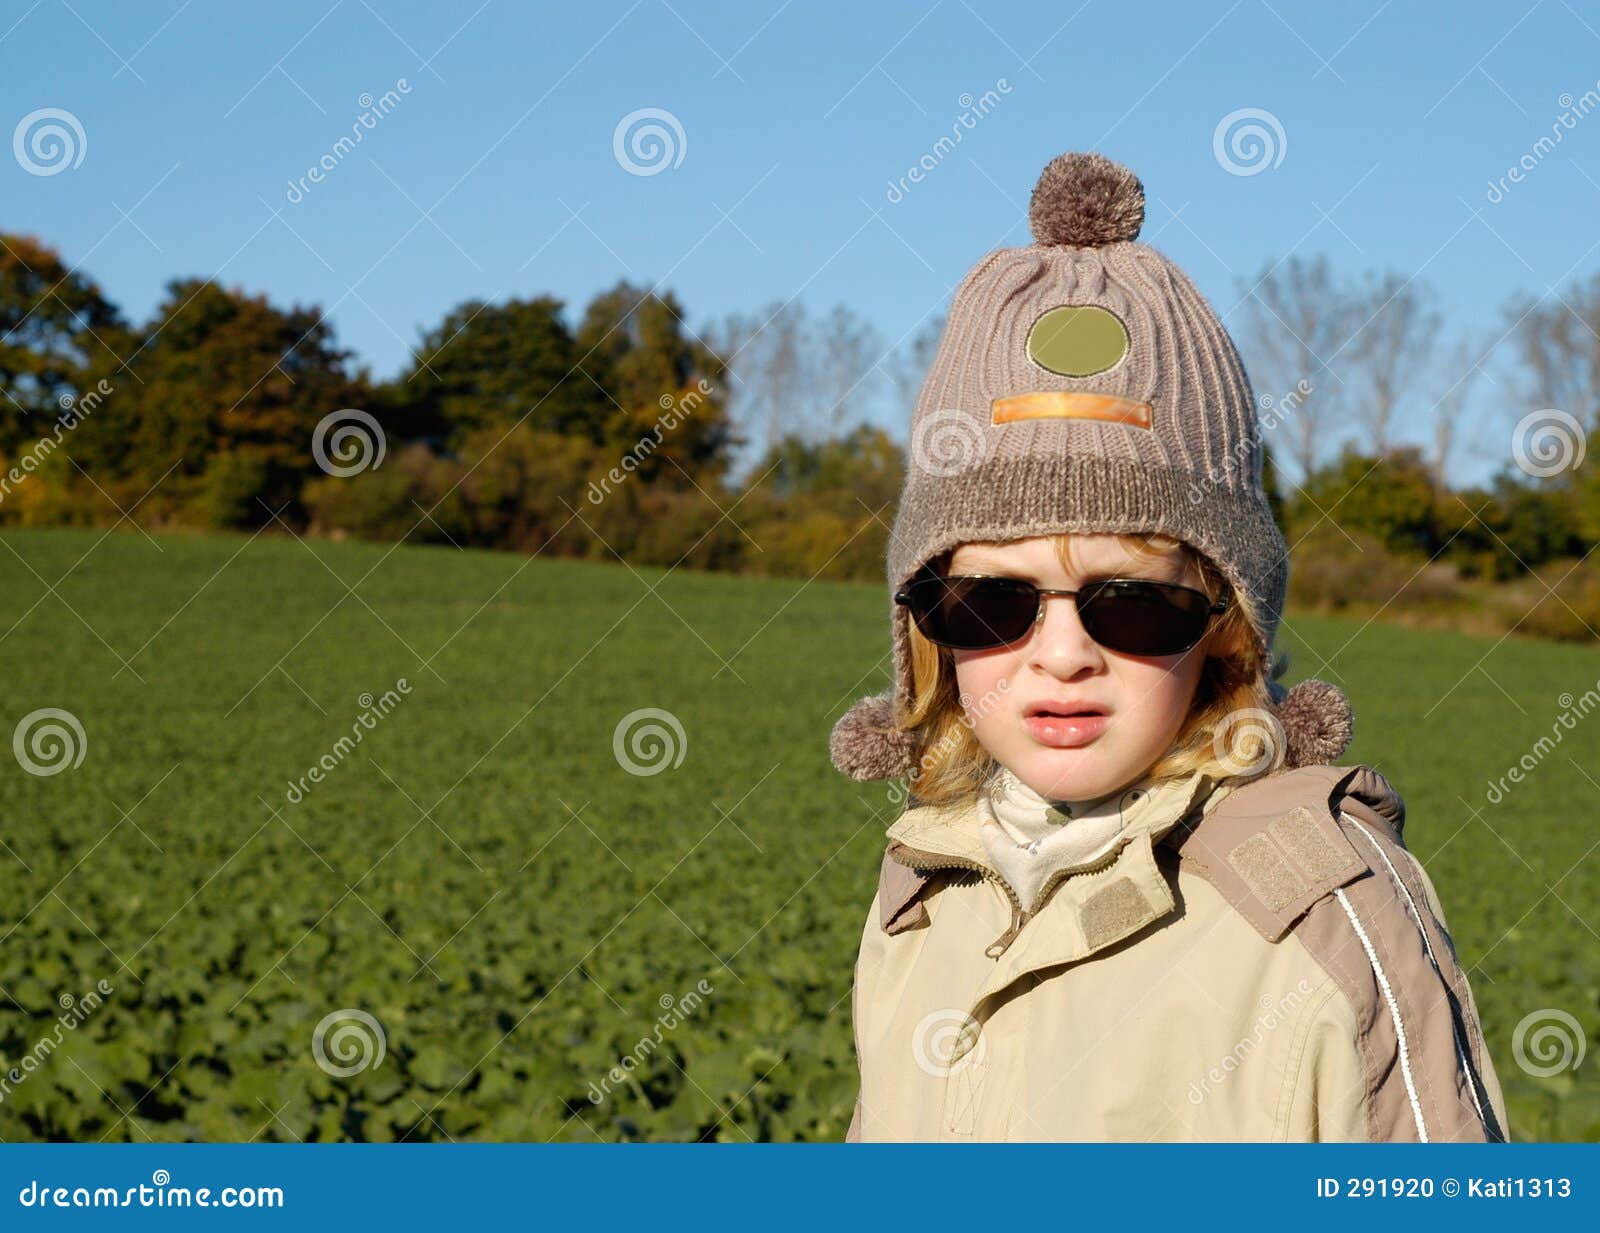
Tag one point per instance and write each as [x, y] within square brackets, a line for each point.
[1331, 570]
[394, 500]
[1566, 605]
[232, 489]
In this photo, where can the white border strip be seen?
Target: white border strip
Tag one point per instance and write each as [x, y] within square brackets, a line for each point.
[1394, 1012]
[1455, 1028]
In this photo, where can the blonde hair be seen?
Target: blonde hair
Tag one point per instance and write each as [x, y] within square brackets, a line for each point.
[1231, 694]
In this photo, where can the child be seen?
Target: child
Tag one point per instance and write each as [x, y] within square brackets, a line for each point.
[1131, 898]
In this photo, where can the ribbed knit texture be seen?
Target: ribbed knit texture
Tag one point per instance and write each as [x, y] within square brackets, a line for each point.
[1194, 473]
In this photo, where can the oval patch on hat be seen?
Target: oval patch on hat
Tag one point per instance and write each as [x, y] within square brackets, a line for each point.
[1078, 340]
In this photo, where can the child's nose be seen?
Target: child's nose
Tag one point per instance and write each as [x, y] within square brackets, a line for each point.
[1060, 644]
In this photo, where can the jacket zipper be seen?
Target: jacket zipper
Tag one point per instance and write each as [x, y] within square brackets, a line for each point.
[1019, 918]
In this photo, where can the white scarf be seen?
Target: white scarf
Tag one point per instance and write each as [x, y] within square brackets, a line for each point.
[1030, 837]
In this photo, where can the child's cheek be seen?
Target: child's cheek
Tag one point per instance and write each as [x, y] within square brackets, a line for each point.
[983, 679]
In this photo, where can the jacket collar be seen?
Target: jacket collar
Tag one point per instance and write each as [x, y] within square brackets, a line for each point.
[1089, 910]
[1146, 806]
[1032, 839]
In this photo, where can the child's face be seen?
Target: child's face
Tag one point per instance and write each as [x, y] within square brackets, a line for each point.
[1145, 698]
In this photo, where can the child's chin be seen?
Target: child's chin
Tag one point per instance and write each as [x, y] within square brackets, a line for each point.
[1068, 774]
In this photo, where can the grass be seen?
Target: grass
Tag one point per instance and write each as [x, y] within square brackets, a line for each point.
[519, 913]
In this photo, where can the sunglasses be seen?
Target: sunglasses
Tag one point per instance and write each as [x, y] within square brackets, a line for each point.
[1136, 616]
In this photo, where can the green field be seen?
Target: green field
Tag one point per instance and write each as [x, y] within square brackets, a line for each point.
[517, 911]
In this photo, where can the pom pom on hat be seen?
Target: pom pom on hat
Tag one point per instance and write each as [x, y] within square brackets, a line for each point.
[866, 745]
[1317, 723]
[1086, 200]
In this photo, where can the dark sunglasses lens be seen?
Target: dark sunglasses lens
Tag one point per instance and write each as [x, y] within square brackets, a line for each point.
[1143, 618]
[973, 613]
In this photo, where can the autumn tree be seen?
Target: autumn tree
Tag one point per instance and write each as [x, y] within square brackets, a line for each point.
[232, 391]
[58, 335]
[661, 385]
[493, 366]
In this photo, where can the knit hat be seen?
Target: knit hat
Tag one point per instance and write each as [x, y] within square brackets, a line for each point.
[1083, 384]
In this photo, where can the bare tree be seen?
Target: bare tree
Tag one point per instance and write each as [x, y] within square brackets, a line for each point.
[799, 377]
[846, 354]
[1557, 339]
[1394, 345]
[1458, 373]
[912, 358]
[767, 353]
[1299, 320]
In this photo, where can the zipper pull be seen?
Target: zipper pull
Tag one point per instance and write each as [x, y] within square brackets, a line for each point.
[999, 946]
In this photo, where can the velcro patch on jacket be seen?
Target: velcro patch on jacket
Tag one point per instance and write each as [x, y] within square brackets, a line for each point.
[1113, 912]
[1265, 869]
[1273, 847]
[1293, 862]
[1298, 834]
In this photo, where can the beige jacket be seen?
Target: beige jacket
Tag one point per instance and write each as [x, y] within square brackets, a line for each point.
[1263, 961]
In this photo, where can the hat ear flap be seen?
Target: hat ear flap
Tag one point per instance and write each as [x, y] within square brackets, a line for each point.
[1317, 720]
[865, 744]
[1318, 723]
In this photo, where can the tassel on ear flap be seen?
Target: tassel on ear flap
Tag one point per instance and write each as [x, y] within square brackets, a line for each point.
[865, 744]
[1318, 723]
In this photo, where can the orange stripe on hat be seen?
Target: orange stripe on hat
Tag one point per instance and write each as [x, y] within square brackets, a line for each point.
[1070, 405]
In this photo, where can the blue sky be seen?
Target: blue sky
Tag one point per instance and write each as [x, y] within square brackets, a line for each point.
[495, 174]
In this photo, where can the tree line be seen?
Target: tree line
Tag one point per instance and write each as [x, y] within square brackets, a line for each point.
[754, 445]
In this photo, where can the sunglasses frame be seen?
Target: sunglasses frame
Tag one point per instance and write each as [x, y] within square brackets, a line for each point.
[1214, 607]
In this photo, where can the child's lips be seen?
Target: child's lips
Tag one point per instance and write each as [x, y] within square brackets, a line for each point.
[1066, 731]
